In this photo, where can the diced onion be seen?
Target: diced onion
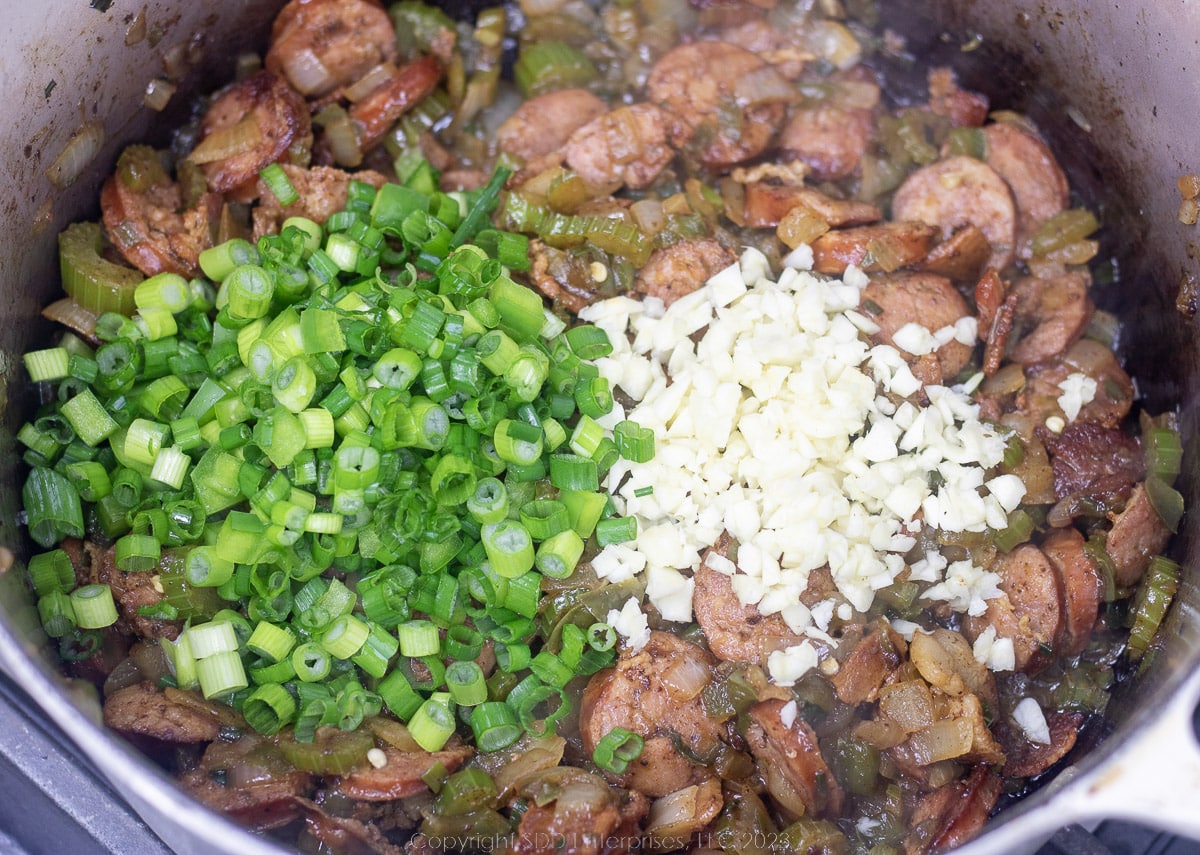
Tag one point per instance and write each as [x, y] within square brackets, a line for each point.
[228, 142]
[158, 93]
[307, 73]
[80, 150]
[369, 82]
[762, 86]
[685, 678]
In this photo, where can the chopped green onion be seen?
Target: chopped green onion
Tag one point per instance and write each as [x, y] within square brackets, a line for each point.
[88, 418]
[50, 364]
[312, 662]
[466, 683]
[209, 639]
[51, 571]
[345, 636]
[634, 442]
[271, 642]
[52, 506]
[617, 749]
[268, 708]
[509, 547]
[418, 638]
[616, 530]
[279, 184]
[94, 607]
[495, 726]
[221, 674]
[431, 725]
[57, 613]
[137, 553]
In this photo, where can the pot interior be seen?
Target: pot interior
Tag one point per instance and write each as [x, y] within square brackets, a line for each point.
[1102, 83]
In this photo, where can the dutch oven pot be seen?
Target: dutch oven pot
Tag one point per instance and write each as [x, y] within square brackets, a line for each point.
[1111, 84]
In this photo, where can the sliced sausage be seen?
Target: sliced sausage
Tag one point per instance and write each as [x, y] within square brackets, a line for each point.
[767, 204]
[1114, 388]
[953, 814]
[831, 140]
[583, 819]
[921, 298]
[319, 45]
[390, 100]
[1137, 534]
[544, 123]
[322, 191]
[678, 270]
[629, 145]
[402, 775]
[960, 257]
[345, 835]
[1051, 315]
[696, 82]
[141, 710]
[274, 110]
[882, 248]
[961, 107]
[960, 191]
[1082, 587]
[735, 632]
[266, 800]
[146, 221]
[1029, 611]
[1091, 460]
[131, 592]
[793, 751]
[871, 661]
[1034, 176]
[634, 695]
[1025, 759]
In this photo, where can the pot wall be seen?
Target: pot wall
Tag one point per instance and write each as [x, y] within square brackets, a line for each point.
[1111, 91]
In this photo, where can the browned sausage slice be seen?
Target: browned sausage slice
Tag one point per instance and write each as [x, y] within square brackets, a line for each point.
[882, 248]
[320, 45]
[735, 633]
[960, 257]
[921, 298]
[1024, 759]
[402, 775]
[1029, 612]
[1081, 585]
[1054, 312]
[141, 710]
[1114, 389]
[957, 192]
[693, 82]
[1037, 182]
[1137, 533]
[868, 665]
[144, 220]
[953, 814]
[322, 191]
[831, 140]
[394, 97]
[793, 751]
[767, 204]
[677, 270]
[629, 145]
[544, 123]
[1090, 460]
[634, 695]
[273, 116]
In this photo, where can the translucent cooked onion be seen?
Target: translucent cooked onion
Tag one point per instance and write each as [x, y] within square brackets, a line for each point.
[307, 73]
[685, 678]
[648, 216]
[943, 740]
[158, 93]
[541, 7]
[72, 316]
[79, 151]
[675, 817]
[341, 136]
[245, 774]
[236, 139]
[369, 82]
[764, 85]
